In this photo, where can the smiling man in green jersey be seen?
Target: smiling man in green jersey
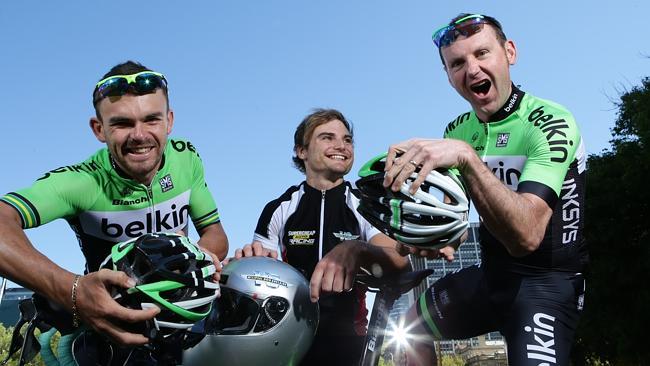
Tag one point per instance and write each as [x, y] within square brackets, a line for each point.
[523, 160]
[141, 182]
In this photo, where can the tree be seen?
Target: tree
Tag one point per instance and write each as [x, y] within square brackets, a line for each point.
[5, 341]
[614, 325]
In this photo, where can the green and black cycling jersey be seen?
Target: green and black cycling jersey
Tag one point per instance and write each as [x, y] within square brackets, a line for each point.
[104, 206]
[533, 145]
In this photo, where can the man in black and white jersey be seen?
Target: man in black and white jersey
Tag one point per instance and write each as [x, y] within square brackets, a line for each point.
[316, 228]
[523, 161]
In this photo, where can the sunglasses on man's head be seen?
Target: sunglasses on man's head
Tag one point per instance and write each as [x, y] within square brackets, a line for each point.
[466, 26]
[144, 82]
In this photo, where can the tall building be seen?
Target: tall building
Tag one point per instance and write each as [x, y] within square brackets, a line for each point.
[468, 254]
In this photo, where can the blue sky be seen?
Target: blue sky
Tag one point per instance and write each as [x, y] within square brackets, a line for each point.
[242, 75]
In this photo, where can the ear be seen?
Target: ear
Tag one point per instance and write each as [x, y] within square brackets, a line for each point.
[511, 52]
[301, 152]
[170, 121]
[98, 129]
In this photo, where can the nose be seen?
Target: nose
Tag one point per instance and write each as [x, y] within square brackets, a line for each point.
[138, 131]
[473, 67]
[339, 144]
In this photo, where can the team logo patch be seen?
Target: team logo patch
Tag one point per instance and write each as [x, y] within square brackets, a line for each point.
[346, 235]
[474, 136]
[302, 237]
[268, 279]
[502, 139]
[166, 183]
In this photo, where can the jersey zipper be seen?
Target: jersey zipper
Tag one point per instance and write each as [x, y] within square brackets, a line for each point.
[152, 208]
[486, 128]
[321, 224]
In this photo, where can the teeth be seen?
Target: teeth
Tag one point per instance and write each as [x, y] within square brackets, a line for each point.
[140, 150]
[338, 157]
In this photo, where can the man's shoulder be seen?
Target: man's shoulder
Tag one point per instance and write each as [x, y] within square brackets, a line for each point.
[536, 109]
[459, 123]
[88, 170]
[181, 148]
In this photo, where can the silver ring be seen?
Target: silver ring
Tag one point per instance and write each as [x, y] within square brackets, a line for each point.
[414, 163]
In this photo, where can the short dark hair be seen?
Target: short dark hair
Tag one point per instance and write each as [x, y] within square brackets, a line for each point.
[496, 25]
[306, 128]
[124, 68]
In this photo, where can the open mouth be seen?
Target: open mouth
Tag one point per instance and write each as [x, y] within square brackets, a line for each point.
[138, 150]
[338, 157]
[481, 88]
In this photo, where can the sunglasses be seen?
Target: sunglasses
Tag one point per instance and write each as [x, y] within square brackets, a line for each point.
[144, 82]
[465, 26]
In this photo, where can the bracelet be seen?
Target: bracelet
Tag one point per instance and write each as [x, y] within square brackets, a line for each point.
[75, 315]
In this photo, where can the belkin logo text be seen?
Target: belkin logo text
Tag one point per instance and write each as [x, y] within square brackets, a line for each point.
[125, 222]
[542, 348]
[555, 131]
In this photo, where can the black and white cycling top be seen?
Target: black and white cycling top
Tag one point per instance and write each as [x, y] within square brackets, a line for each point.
[304, 224]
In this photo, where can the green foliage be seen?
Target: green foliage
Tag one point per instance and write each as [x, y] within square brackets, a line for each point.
[452, 360]
[617, 229]
[5, 341]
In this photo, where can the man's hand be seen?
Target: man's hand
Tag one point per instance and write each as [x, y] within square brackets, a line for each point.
[336, 271]
[425, 155]
[217, 264]
[98, 310]
[446, 252]
[256, 249]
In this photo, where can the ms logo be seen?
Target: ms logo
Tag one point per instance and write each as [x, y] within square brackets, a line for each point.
[502, 139]
[166, 183]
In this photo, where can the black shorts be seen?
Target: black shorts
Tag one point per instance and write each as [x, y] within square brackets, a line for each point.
[536, 313]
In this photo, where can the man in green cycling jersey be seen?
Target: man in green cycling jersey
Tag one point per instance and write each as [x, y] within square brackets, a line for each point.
[523, 161]
[141, 182]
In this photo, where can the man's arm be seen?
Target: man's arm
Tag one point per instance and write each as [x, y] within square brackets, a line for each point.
[518, 220]
[23, 264]
[336, 271]
[214, 239]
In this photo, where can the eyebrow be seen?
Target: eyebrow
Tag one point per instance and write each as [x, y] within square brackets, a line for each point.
[122, 119]
[322, 134]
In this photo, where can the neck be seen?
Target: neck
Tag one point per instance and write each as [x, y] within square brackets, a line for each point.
[323, 183]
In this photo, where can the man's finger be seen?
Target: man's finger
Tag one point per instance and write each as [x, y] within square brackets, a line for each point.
[109, 277]
[247, 250]
[315, 283]
[258, 250]
[422, 175]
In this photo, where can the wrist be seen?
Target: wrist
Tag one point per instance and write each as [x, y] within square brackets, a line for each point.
[74, 293]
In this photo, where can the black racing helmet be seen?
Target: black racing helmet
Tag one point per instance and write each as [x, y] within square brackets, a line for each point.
[172, 274]
[435, 216]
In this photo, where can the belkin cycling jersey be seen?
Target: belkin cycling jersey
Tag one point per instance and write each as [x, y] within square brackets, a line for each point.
[533, 145]
[103, 206]
[305, 224]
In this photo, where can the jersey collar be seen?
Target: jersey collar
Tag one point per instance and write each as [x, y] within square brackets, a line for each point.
[510, 106]
[122, 173]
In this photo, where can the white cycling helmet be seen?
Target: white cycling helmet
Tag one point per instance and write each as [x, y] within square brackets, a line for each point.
[263, 317]
[424, 219]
